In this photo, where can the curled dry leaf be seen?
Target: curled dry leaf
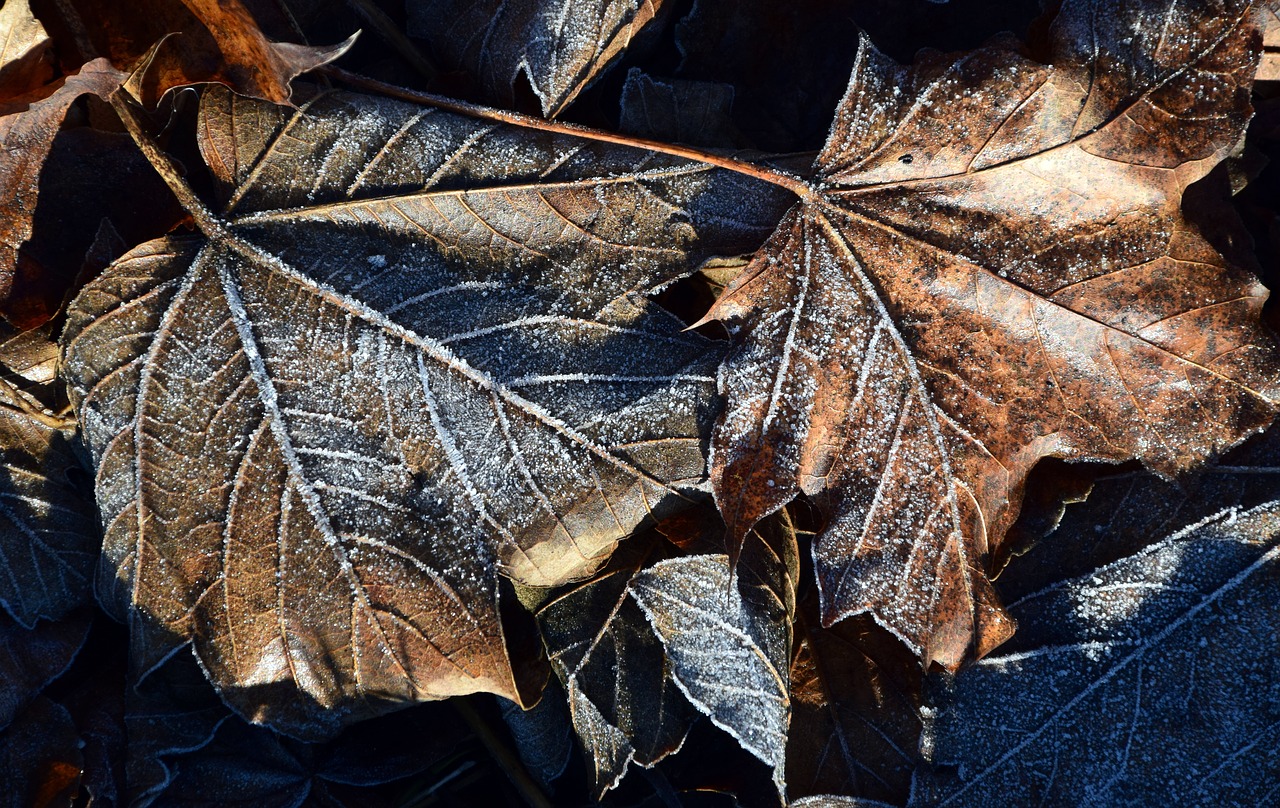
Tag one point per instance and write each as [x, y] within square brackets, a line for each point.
[170, 44]
[1151, 680]
[992, 267]
[27, 129]
[411, 352]
[560, 46]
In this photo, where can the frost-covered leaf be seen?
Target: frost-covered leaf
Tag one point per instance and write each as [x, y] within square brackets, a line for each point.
[729, 645]
[623, 702]
[1126, 511]
[48, 536]
[835, 801]
[993, 267]
[1153, 680]
[694, 112]
[558, 46]
[543, 734]
[411, 352]
[185, 748]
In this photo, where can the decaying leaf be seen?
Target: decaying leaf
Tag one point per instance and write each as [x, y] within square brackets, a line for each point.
[559, 46]
[27, 129]
[992, 267]
[729, 641]
[411, 352]
[1151, 680]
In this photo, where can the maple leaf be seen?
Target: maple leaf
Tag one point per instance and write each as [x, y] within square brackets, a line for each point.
[1142, 681]
[413, 350]
[560, 46]
[990, 267]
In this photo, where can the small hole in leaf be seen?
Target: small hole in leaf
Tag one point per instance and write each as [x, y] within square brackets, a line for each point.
[905, 159]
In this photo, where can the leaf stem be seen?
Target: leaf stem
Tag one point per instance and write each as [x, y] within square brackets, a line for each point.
[790, 182]
[165, 166]
[505, 758]
[20, 404]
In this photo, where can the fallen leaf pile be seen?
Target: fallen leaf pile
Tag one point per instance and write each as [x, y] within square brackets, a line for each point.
[544, 403]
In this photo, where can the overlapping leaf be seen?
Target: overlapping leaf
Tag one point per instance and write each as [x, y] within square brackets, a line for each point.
[854, 726]
[559, 46]
[49, 541]
[194, 41]
[1150, 680]
[993, 267]
[411, 352]
[623, 702]
[27, 128]
[730, 645]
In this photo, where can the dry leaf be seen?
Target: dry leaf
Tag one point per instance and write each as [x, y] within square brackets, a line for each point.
[31, 658]
[411, 352]
[623, 702]
[27, 129]
[729, 644]
[50, 540]
[992, 268]
[1149, 681]
[172, 44]
[25, 64]
[854, 728]
[558, 46]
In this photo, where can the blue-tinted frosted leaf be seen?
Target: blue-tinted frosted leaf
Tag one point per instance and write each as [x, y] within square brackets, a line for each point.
[1151, 681]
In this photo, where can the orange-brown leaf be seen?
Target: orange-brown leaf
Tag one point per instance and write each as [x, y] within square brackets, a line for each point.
[993, 267]
[199, 41]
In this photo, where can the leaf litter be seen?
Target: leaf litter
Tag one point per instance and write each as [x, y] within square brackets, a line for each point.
[412, 356]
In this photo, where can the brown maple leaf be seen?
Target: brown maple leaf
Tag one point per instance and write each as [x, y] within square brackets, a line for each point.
[991, 266]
